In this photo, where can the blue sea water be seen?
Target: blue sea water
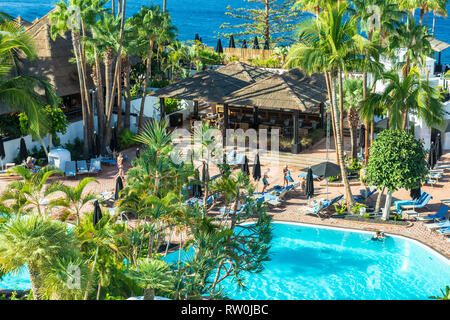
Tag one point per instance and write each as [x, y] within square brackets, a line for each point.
[189, 16]
[318, 263]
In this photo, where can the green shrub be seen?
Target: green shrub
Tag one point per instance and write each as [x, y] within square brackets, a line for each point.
[75, 148]
[172, 105]
[126, 139]
[10, 125]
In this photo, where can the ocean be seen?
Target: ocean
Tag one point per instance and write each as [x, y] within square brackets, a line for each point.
[189, 16]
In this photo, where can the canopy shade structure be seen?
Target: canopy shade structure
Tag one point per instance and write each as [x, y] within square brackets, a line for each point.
[325, 169]
[291, 90]
[213, 85]
[438, 45]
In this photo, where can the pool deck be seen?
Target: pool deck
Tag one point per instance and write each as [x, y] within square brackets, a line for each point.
[295, 200]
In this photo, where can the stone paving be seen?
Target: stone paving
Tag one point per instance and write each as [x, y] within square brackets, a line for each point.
[291, 208]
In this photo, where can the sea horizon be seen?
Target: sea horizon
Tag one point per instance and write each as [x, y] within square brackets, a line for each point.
[191, 16]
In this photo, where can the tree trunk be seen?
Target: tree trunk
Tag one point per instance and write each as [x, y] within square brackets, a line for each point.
[108, 60]
[98, 82]
[119, 96]
[434, 21]
[267, 22]
[34, 275]
[75, 44]
[366, 123]
[353, 136]
[330, 95]
[126, 82]
[164, 5]
[147, 77]
[348, 192]
[387, 206]
[149, 294]
[378, 203]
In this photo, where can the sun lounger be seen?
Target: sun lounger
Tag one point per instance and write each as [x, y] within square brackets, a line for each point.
[444, 231]
[109, 162]
[399, 204]
[438, 225]
[410, 208]
[363, 196]
[82, 167]
[230, 211]
[70, 169]
[240, 158]
[95, 166]
[324, 205]
[442, 212]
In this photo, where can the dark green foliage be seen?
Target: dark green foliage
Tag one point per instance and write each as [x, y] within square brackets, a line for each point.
[126, 139]
[397, 160]
[10, 125]
[275, 25]
[75, 148]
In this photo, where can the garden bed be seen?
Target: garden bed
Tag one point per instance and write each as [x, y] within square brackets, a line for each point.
[378, 220]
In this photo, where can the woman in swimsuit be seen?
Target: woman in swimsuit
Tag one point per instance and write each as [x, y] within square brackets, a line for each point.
[120, 165]
[265, 181]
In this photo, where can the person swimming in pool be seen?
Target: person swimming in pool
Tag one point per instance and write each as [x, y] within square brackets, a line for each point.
[265, 180]
[379, 235]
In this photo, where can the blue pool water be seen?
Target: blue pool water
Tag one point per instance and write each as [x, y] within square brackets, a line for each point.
[310, 262]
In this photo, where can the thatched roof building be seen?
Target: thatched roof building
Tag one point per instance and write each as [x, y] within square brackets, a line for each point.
[213, 85]
[291, 90]
[52, 62]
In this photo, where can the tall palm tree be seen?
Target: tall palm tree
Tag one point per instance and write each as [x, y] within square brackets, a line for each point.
[409, 93]
[416, 39]
[34, 240]
[74, 200]
[64, 18]
[352, 99]
[330, 47]
[149, 25]
[106, 39]
[18, 92]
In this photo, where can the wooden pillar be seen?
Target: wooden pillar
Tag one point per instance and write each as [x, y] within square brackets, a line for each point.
[255, 118]
[296, 148]
[225, 124]
[321, 115]
[162, 108]
[196, 110]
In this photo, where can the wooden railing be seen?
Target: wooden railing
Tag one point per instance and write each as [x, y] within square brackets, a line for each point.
[245, 55]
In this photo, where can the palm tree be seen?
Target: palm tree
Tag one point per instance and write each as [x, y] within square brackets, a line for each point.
[106, 40]
[312, 6]
[29, 190]
[439, 8]
[152, 274]
[73, 200]
[330, 47]
[409, 93]
[34, 240]
[149, 24]
[63, 19]
[17, 92]
[352, 99]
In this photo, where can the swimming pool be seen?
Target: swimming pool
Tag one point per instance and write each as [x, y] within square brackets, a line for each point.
[315, 262]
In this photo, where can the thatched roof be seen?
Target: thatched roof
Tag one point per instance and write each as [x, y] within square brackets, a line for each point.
[438, 45]
[244, 71]
[291, 90]
[213, 85]
[22, 22]
[52, 62]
